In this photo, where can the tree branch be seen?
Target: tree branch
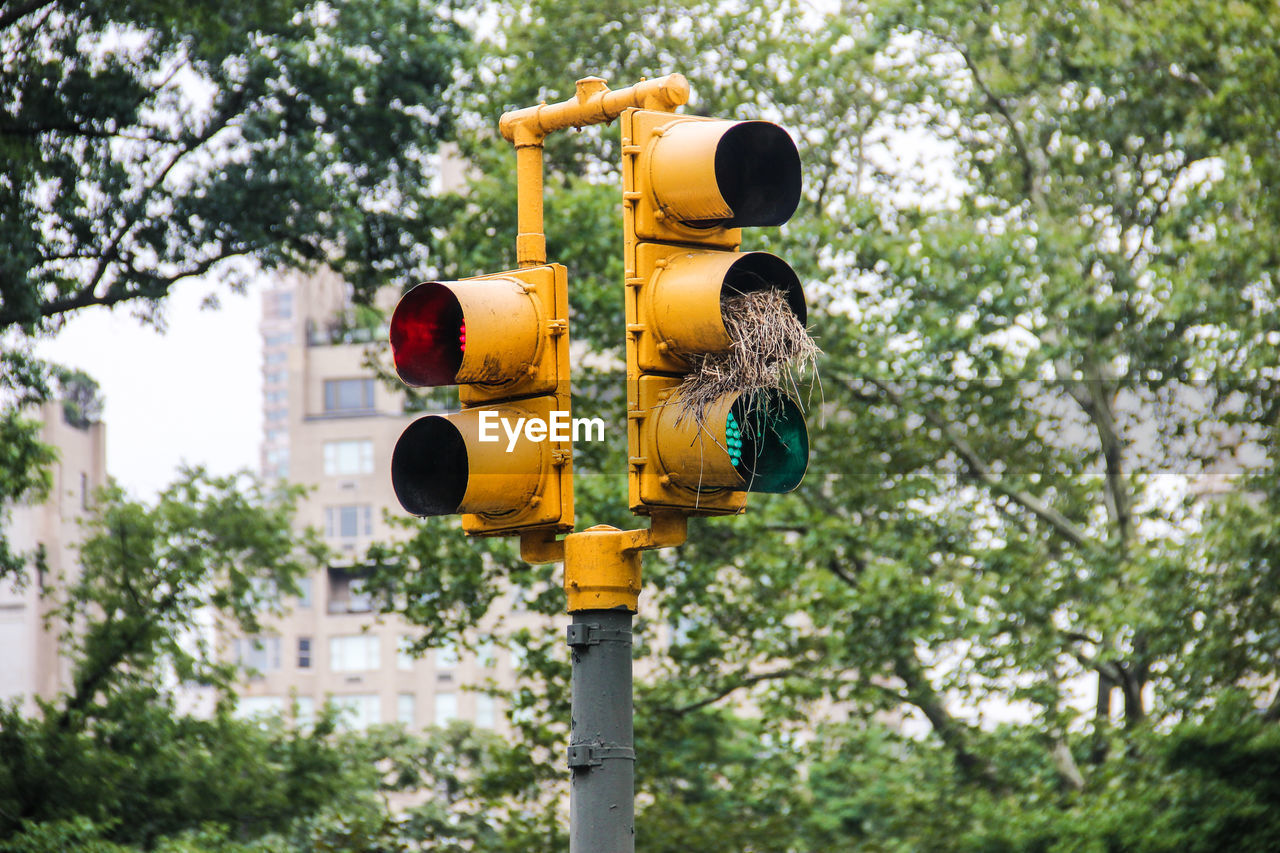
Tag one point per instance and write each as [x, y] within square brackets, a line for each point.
[1129, 679]
[12, 16]
[979, 469]
[80, 130]
[88, 295]
[1093, 396]
[859, 566]
[952, 732]
[734, 685]
[1065, 763]
[85, 299]
[1030, 184]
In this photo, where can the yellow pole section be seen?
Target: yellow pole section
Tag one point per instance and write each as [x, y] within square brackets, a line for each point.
[593, 103]
[531, 242]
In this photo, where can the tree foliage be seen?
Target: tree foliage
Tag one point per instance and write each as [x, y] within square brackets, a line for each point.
[1040, 251]
[1026, 597]
[113, 756]
[148, 142]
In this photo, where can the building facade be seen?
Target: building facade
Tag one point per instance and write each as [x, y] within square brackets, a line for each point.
[33, 664]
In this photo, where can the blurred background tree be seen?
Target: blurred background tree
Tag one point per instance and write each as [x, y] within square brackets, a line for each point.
[1026, 596]
[1031, 571]
[147, 142]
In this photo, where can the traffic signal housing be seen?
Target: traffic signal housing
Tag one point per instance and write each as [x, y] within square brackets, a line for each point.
[504, 460]
[690, 185]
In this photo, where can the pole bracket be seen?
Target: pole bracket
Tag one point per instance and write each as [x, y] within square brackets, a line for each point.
[594, 755]
[588, 634]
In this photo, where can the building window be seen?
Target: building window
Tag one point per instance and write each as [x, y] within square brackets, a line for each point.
[404, 655]
[280, 305]
[405, 707]
[446, 708]
[259, 706]
[485, 711]
[304, 593]
[276, 377]
[348, 395]
[258, 654]
[447, 656]
[348, 457]
[359, 711]
[277, 462]
[304, 710]
[304, 653]
[346, 592]
[348, 522]
[354, 653]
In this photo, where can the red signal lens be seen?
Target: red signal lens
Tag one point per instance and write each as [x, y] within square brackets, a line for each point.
[428, 336]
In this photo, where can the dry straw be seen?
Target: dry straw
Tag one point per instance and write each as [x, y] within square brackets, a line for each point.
[770, 348]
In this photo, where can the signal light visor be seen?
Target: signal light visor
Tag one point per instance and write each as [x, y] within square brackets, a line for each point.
[440, 467]
[755, 164]
[755, 441]
[484, 331]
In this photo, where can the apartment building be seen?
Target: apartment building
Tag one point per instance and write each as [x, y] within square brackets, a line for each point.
[331, 426]
[33, 664]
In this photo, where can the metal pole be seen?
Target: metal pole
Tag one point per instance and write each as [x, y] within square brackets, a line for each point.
[602, 584]
[601, 743]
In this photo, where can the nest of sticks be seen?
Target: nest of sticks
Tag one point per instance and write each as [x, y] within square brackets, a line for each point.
[770, 350]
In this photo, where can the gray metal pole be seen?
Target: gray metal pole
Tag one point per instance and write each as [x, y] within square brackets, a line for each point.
[602, 742]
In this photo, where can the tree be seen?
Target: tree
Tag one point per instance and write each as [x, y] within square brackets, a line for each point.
[112, 760]
[1041, 247]
[148, 143]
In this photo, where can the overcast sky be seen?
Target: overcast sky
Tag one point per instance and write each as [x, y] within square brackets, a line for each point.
[190, 394]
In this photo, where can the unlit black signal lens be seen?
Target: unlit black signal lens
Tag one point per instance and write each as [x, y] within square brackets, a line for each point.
[758, 172]
[429, 467]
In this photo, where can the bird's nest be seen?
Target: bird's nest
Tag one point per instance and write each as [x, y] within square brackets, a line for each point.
[770, 349]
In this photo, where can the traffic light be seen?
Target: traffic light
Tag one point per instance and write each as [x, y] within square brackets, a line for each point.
[504, 460]
[690, 184]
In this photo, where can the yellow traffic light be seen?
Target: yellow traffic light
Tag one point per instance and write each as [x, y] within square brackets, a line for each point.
[700, 180]
[690, 184]
[504, 461]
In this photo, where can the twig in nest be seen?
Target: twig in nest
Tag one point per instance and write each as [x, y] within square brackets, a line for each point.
[769, 349]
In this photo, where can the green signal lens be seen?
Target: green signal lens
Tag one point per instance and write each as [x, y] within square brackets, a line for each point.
[733, 438]
[767, 440]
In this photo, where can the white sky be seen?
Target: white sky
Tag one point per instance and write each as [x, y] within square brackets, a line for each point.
[190, 394]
